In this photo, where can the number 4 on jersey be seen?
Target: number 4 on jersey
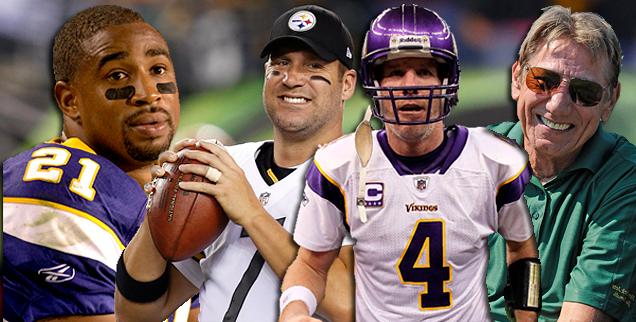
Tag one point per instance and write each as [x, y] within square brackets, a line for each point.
[427, 243]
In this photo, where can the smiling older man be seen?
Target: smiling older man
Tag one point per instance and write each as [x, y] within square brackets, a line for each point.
[582, 195]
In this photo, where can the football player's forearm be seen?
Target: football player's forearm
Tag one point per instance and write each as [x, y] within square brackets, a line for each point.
[278, 249]
[338, 303]
[144, 264]
[518, 250]
[179, 291]
[143, 260]
[273, 242]
[526, 316]
[309, 269]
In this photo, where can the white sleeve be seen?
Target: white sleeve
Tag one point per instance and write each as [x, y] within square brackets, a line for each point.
[348, 240]
[514, 221]
[191, 270]
[509, 169]
[319, 224]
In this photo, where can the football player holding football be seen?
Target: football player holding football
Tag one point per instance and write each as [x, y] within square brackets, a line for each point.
[308, 76]
[419, 199]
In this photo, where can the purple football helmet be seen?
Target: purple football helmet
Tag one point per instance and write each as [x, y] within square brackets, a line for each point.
[410, 31]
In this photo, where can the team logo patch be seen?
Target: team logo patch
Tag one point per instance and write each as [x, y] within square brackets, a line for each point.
[302, 21]
[57, 274]
[374, 194]
[264, 198]
[421, 182]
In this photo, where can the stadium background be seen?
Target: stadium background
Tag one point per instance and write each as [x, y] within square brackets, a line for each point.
[216, 44]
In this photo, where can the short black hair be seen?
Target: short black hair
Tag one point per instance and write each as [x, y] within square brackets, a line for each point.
[67, 45]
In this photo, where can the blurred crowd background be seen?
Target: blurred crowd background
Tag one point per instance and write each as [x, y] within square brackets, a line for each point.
[215, 45]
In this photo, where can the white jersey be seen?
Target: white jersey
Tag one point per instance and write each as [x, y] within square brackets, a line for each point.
[236, 283]
[422, 254]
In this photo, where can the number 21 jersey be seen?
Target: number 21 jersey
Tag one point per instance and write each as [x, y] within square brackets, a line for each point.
[67, 215]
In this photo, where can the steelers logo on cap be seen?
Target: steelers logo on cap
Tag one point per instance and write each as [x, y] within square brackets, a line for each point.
[302, 21]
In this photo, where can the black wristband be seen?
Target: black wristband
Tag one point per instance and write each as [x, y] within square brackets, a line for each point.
[140, 292]
[523, 290]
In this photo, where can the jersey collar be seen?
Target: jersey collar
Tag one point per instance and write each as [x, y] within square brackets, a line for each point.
[437, 161]
[594, 151]
[75, 143]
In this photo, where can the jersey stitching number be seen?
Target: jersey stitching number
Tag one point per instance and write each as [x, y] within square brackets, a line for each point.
[428, 242]
[83, 184]
[46, 157]
[247, 281]
[52, 157]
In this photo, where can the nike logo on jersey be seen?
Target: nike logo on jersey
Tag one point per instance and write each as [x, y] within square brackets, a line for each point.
[57, 274]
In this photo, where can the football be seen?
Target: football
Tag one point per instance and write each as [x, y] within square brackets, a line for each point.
[182, 223]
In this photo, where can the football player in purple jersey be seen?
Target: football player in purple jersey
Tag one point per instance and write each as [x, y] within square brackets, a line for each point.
[71, 204]
[420, 199]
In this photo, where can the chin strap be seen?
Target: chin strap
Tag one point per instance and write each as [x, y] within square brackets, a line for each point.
[364, 147]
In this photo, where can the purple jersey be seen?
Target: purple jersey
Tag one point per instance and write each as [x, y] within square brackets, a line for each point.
[67, 215]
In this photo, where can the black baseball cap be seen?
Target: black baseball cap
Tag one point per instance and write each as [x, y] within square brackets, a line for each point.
[319, 28]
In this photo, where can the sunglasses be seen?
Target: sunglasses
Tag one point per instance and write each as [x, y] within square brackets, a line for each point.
[583, 92]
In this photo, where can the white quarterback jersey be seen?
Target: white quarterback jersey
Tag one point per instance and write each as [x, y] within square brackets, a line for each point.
[236, 283]
[423, 251]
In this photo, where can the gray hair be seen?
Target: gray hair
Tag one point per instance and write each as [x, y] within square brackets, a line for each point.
[585, 28]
